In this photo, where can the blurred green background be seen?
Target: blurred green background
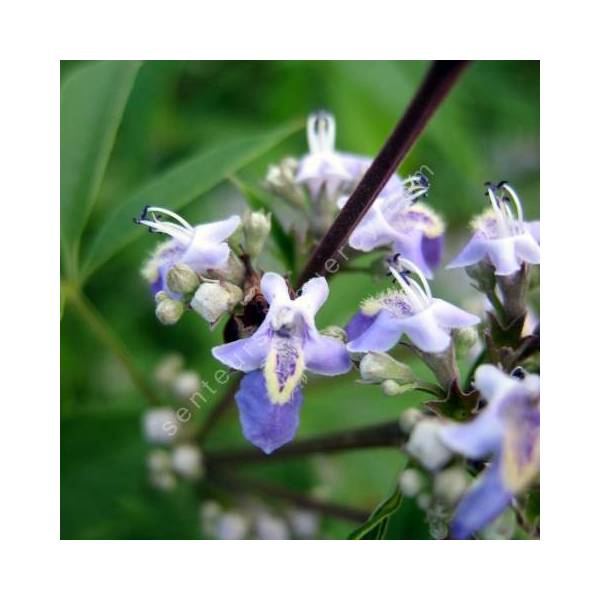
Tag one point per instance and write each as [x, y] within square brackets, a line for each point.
[488, 129]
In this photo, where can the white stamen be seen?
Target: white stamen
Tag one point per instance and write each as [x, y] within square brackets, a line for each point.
[170, 213]
[517, 204]
[501, 218]
[414, 269]
[414, 298]
[320, 130]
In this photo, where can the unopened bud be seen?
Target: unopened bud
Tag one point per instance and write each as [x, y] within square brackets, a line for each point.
[234, 271]
[409, 418]
[281, 180]
[449, 485]
[426, 446]
[271, 527]
[213, 299]
[232, 526]
[158, 461]
[335, 332]
[464, 339]
[410, 482]
[160, 425]
[256, 226]
[168, 368]
[169, 311]
[424, 501]
[181, 279]
[392, 388]
[376, 367]
[187, 462]
[186, 384]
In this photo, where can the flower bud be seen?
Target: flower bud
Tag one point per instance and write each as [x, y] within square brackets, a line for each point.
[232, 526]
[257, 226]
[426, 446]
[271, 527]
[392, 388]
[281, 180]
[376, 367]
[464, 339]
[410, 482]
[304, 523]
[449, 485]
[213, 299]
[160, 426]
[210, 512]
[335, 332]
[181, 279]
[233, 272]
[424, 501]
[167, 369]
[187, 462]
[169, 311]
[186, 384]
[409, 418]
[158, 461]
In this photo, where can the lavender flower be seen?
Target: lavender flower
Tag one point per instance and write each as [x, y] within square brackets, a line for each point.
[201, 247]
[501, 235]
[285, 345]
[414, 230]
[507, 430]
[410, 310]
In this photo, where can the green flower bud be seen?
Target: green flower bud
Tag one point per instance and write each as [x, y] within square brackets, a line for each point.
[392, 388]
[181, 279]
[281, 180]
[410, 482]
[168, 311]
[464, 339]
[256, 226]
[376, 367]
[213, 299]
[409, 418]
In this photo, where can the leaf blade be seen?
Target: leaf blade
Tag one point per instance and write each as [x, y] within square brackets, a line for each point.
[176, 188]
[92, 103]
[376, 526]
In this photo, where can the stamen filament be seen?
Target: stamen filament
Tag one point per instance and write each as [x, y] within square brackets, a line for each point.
[170, 213]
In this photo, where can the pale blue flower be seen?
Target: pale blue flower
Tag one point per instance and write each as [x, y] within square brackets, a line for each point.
[501, 235]
[409, 309]
[507, 433]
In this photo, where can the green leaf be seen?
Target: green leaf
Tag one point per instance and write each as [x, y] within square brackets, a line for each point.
[376, 527]
[260, 199]
[91, 106]
[176, 188]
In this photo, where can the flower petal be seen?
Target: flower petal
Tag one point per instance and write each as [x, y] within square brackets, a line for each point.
[274, 287]
[476, 439]
[471, 254]
[200, 255]
[265, 424]
[218, 231]
[493, 383]
[358, 324]
[384, 333]
[314, 293]
[527, 248]
[481, 505]
[432, 250]
[325, 355]
[425, 332]
[372, 231]
[503, 255]
[534, 229]
[448, 315]
[410, 245]
[247, 354]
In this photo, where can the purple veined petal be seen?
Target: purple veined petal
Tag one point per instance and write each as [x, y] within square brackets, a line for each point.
[314, 294]
[425, 332]
[358, 324]
[218, 231]
[410, 245]
[372, 231]
[384, 333]
[247, 354]
[534, 229]
[325, 355]
[494, 384]
[481, 505]
[476, 439]
[527, 249]
[432, 250]
[266, 425]
[450, 316]
[472, 253]
[274, 287]
[502, 253]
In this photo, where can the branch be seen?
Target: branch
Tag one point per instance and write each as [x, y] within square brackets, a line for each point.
[439, 80]
[375, 436]
[243, 484]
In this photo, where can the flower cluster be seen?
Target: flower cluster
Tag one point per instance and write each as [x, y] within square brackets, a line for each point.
[486, 427]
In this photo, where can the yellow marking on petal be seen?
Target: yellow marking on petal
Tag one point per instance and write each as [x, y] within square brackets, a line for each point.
[283, 354]
[516, 473]
[481, 221]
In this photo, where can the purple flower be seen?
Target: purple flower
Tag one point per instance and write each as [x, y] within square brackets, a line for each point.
[201, 247]
[501, 235]
[410, 310]
[322, 169]
[507, 431]
[285, 345]
[414, 230]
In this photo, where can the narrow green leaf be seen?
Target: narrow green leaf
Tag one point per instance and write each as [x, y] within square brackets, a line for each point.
[376, 527]
[91, 106]
[260, 199]
[176, 188]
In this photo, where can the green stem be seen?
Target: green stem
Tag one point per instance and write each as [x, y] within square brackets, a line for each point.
[102, 330]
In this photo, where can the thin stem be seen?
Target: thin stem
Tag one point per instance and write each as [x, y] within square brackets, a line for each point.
[439, 80]
[376, 436]
[99, 326]
[269, 490]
